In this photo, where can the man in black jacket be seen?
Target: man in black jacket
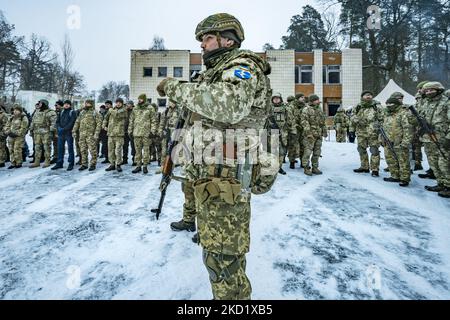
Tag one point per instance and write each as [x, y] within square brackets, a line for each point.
[64, 123]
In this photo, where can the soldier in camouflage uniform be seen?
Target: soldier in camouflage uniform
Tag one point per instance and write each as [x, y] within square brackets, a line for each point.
[397, 125]
[43, 128]
[233, 93]
[314, 129]
[295, 129]
[341, 124]
[367, 117]
[128, 141]
[3, 136]
[280, 113]
[114, 125]
[142, 125]
[87, 129]
[436, 112]
[155, 139]
[16, 130]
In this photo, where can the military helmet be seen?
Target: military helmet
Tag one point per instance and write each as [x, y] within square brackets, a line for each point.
[44, 102]
[434, 85]
[313, 98]
[421, 84]
[397, 95]
[17, 106]
[299, 95]
[219, 22]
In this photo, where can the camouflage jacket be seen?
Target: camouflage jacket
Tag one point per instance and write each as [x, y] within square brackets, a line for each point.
[168, 120]
[88, 123]
[366, 118]
[295, 117]
[436, 112]
[114, 122]
[313, 121]
[43, 121]
[341, 120]
[3, 124]
[398, 127]
[143, 121]
[280, 113]
[17, 125]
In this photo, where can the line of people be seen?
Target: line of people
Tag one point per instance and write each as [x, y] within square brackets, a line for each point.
[111, 131]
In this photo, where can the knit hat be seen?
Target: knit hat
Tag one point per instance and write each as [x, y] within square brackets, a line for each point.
[143, 97]
[299, 95]
[68, 102]
[119, 100]
[366, 92]
[313, 98]
[59, 103]
[397, 95]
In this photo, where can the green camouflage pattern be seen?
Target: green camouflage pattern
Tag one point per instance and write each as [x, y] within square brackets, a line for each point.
[400, 132]
[17, 125]
[232, 94]
[87, 130]
[3, 136]
[341, 124]
[314, 129]
[367, 116]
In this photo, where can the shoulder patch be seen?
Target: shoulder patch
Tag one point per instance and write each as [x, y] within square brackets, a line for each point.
[242, 73]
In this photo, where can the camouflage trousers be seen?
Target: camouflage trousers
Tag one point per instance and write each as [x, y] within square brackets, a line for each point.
[15, 148]
[417, 151]
[295, 147]
[142, 146]
[156, 148]
[227, 276]
[341, 135]
[115, 150]
[374, 147]
[189, 212]
[55, 146]
[438, 163]
[2, 150]
[164, 144]
[312, 151]
[88, 144]
[398, 169]
[42, 140]
[223, 219]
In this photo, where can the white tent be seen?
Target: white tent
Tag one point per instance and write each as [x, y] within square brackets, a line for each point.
[392, 87]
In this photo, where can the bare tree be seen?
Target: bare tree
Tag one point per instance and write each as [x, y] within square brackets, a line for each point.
[158, 43]
[67, 58]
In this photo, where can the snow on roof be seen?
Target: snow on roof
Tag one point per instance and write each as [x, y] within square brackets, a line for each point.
[392, 87]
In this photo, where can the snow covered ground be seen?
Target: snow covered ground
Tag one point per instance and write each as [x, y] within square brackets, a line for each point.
[337, 236]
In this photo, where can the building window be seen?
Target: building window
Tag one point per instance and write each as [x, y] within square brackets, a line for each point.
[332, 74]
[178, 72]
[162, 102]
[304, 74]
[195, 70]
[333, 108]
[162, 72]
[148, 72]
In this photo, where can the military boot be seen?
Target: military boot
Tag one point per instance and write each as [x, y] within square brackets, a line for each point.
[46, 164]
[196, 239]
[137, 170]
[361, 170]
[70, 167]
[292, 166]
[418, 167]
[444, 193]
[316, 171]
[92, 167]
[182, 225]
[35, 165]
[281, 171]
[145, 170]
[119, 169]
[110, 168]
[437, 188]
[375, 174]
[403, 183]
[82, 168]
[308, 171]
[428, 175]
[386, 169]
[390, 179]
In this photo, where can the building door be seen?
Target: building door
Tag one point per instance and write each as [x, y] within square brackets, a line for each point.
[333, 108]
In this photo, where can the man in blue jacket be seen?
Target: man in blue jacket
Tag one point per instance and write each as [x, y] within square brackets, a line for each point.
[64, 123]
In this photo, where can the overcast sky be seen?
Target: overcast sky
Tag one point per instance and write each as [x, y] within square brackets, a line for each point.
[110, 28]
